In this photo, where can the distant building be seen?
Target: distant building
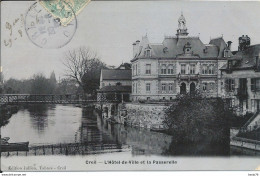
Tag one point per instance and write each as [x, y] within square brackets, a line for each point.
[241, 77]
[180, 64]
[115, 84]
[118, 76]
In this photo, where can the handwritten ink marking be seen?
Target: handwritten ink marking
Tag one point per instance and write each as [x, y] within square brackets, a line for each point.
[9, 27]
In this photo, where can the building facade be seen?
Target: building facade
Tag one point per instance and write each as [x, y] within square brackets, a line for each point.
[180, 64]
[115, 84]
[241, 77]
[118, 76]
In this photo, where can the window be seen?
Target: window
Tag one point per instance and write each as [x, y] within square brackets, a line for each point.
[148, 87]
[148, 69]
[163, 98]
[192, 69]
[211, 86]
[133, 87]
[170, 69]
[163, 87]
[136, 69]
[211, 69]
[230, 85]
[136, 88]
[163, 69]
[183, 69]
[148, 53]
[170, 87]
[170, 98]
[133, 70]
[204, 69]
[204, 86]
[148, 98]
[255, 84]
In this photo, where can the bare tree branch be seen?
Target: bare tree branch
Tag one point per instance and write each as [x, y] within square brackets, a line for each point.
[83, 65]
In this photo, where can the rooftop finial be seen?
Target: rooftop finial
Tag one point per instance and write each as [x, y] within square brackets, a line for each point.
[182, 29]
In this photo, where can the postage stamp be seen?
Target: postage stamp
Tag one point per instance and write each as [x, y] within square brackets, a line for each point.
[64, 9]
[45, 30]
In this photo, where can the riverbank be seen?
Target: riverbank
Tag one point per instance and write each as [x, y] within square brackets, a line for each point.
[245, 143]
[6, 112]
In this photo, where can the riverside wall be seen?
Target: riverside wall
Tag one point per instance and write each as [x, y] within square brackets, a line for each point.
[150, 116]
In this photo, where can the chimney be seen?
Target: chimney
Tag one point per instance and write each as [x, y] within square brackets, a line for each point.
[244, 42]
[257, 63]
[229, 45]
[137, 43]
[134, 49]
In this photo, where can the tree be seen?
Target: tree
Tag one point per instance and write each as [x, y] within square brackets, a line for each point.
[17, 86]
[198, 125]
[84, 66]
[41, 85]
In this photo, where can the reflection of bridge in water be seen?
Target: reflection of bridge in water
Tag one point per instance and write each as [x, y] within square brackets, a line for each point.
[70, 149]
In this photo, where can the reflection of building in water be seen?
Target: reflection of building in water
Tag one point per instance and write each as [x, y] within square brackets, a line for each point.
[241, 77]
[91, 130]
[179, 64]
[142, 141]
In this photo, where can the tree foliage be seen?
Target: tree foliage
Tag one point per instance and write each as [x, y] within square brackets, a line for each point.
[42, 85]
[84, 66]
[194, 120]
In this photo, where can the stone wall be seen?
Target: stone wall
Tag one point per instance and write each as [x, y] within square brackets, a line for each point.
[148, 116]
[245, 143]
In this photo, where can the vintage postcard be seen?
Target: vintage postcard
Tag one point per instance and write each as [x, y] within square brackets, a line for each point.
[129, 85]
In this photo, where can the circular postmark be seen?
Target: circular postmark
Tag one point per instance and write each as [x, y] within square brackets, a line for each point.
[46, 31]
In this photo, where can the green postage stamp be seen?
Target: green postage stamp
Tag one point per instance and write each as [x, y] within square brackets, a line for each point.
[64, 9]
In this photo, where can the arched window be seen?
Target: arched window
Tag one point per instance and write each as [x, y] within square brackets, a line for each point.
[170, 69]
[211, 69]
[163, 69]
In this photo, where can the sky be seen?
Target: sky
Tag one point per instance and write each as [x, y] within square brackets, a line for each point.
[110, 28]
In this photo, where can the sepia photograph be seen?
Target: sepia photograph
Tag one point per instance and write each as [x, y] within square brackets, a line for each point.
[129, 86]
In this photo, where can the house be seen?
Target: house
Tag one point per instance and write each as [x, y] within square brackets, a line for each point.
[115, 84]
[180, 64]
[241, 77]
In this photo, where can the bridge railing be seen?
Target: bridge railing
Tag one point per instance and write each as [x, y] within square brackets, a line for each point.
[46, 98]
[27, 98]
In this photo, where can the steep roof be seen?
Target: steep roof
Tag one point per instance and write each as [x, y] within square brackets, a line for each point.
[246, 58]
[171, 47]
[115, 89]
[116, 74]
[126, 66]
[220, 43]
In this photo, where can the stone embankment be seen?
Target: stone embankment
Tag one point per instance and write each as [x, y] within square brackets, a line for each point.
[150, 116]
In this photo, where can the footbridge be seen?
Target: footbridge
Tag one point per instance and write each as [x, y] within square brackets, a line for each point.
[10, 99]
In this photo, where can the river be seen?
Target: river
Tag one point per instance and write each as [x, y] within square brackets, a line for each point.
[68, 124]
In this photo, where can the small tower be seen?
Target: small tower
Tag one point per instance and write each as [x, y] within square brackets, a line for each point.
[182, 29]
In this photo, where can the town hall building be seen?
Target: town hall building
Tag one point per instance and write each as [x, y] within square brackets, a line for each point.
[180, 64]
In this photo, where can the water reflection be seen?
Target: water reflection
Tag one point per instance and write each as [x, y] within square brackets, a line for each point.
[39, 116]
[59, 124]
